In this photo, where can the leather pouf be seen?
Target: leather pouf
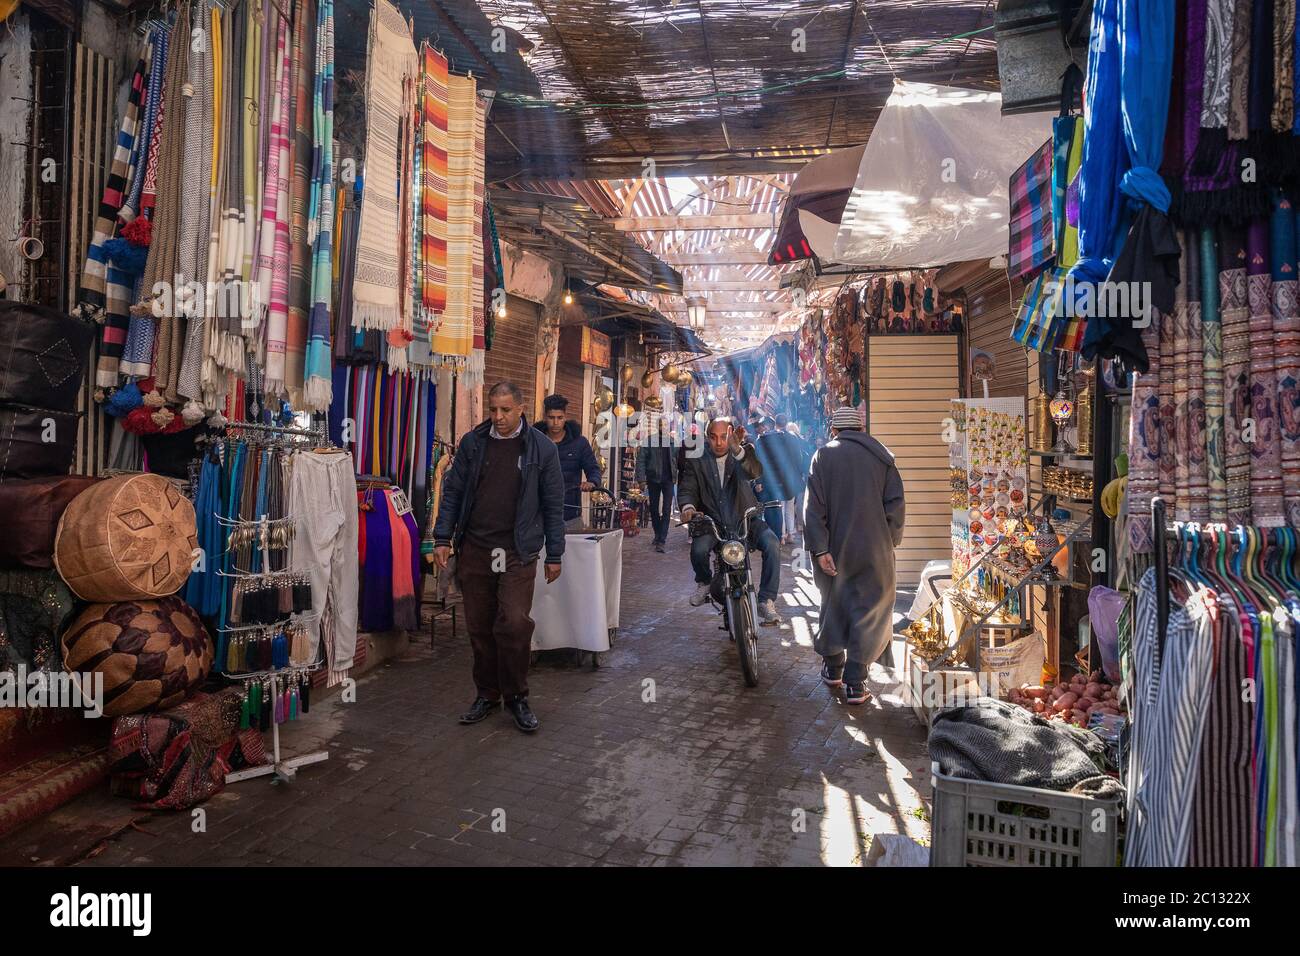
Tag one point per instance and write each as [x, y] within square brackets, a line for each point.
[33, 508]
[153, 654]
[126, 538]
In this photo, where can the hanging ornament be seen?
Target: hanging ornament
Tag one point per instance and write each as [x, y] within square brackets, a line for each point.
[627, 373]
[647, 380]
[684, 378]
[670, 374]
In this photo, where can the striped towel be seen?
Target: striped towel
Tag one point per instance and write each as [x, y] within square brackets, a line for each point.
[300, 153]
[277, 186]
[433, 180]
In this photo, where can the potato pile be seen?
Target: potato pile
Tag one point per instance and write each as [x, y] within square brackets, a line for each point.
[1073, 703]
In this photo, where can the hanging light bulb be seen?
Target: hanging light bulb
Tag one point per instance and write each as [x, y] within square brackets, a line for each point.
[568, 297]
[501, 311]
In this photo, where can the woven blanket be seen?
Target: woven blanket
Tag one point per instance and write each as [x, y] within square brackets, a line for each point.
[454, 332]
[1259, 381]
[377, 288]
[1001, 743]
[105, 289]
[1286, 350]
[318, 384]
[192, 256]
[433, 180]
[265, 259]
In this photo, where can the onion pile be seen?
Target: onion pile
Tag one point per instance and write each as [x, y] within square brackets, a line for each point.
[1073, 703]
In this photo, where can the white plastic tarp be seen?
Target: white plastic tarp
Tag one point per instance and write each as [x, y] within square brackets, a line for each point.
[932, 186]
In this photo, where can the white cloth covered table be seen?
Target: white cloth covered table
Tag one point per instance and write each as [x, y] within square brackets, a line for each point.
[936, 577]
[580, 608]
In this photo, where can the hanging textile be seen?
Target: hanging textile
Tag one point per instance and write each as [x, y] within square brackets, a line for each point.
[106, 286]
[320, 232]
[1286, 348]
[1234, 321]
[456, 332]
[1259, 402]
[377, 287]
[302, 66]
[1212, 369]
[433, 182]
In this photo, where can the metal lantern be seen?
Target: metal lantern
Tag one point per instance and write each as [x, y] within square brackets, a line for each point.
[696, 309]
[627, 373]
[684, 378]
[670, 374]
[647, 379]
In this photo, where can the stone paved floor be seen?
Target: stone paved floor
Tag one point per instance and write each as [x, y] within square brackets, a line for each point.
[708, 772]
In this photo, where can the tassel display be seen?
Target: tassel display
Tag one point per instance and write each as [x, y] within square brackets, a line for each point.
[304, 699]
[244, 711]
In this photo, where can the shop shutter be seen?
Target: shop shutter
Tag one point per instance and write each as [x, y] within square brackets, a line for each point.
[513, 356]
[569, 383]
[913, 379]
[991, 304]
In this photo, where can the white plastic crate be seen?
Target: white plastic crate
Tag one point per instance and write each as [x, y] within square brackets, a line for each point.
[976, 823]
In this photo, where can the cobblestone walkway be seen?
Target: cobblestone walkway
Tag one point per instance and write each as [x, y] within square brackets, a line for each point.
[705, 772]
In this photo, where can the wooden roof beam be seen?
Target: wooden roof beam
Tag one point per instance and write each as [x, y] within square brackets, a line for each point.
[709, 222]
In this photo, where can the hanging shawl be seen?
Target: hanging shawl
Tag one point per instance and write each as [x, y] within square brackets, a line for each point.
[105, 287]
[1234, 320]
[377, 288]
[1212, 371]
[192, 256]
[159, 36]
[273, 251]
[1286, 350]
[265, 259]
[1266, 508]
[433, 187]
[318, 382]
[453, 341]
[1216, 84]
[250, 139]
[300, 156]
[1239, 71]
[225, 341]
[1149, 258]
[401, 333]
[1198, 479]
[1105, 157]
[1282, 117]
[1182, 395]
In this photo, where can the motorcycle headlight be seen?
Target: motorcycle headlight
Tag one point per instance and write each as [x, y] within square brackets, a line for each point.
[733, 552]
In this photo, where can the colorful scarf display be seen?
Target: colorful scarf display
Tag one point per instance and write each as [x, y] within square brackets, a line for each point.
[316, 389]
[455, 333]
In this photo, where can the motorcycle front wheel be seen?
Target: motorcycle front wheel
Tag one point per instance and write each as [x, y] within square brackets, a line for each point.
[746, 637]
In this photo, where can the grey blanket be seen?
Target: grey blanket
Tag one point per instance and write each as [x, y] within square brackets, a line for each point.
[1002, 743]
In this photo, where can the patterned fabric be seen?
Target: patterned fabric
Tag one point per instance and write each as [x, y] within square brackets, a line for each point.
[320, 231]
[1144, 442]
[1218, 61]
[1282, 116]
[1239, 78]
[433, 181]
[1286, 352]
[1031, 225]
[273, 254]
[1234, 318]
[1198, 475]
[1212, 369]
[1259, 402]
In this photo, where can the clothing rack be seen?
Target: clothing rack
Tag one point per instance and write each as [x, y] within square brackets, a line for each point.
[316, 433]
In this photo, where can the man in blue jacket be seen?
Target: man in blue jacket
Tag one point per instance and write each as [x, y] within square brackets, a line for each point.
[502, 499]
[576, 457]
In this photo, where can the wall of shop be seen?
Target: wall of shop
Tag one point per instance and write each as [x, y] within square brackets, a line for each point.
[15, 113]
[513, 356]
[913, 382]
[991, 304]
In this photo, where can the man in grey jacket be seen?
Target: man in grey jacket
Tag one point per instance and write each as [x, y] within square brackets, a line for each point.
[853, 521]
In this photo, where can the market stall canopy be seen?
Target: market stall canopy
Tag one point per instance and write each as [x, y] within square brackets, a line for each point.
[932, 185]
[566, 229]
[614, 317]
[812, 211]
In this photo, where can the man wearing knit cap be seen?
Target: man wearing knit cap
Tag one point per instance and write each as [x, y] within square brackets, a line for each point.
[853, 521]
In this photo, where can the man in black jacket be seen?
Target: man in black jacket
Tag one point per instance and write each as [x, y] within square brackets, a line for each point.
[718, 484]
[656, 468]
[502, 499]
[578, 462]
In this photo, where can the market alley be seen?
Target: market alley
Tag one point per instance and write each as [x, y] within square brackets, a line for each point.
[693, 768]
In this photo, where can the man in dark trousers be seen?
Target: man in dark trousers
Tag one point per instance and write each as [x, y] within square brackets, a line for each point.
[852, 522]
[502, 499]
[718, 484]
[783, 470]
[656, 469]
[578, 462]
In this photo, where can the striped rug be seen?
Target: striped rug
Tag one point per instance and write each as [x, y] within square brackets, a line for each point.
[454, 334]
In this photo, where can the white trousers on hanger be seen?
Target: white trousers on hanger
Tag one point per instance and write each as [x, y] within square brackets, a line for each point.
[325, 545]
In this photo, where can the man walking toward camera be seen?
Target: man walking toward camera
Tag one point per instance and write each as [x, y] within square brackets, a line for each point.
[502, 499]
[853, 521]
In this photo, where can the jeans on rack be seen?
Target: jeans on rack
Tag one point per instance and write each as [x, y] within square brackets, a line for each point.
[324, 506]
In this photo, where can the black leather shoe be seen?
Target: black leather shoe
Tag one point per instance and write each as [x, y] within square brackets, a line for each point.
[481, 708]
[524, 717]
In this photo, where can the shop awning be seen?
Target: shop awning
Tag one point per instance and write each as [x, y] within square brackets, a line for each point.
[932, 185]
[615, 317]
[811, 216]
[567, 230]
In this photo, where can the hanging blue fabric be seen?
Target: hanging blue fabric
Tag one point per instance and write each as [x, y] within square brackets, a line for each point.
[1146, 69]
[1105, 157]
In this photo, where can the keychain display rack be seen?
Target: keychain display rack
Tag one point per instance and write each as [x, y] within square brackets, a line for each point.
[280, 691]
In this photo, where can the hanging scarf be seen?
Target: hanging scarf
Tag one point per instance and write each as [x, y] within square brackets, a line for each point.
[300, 157]
[1212, 343]
[316, 390]
[1286, 350]
[250, 138]
[1260, 402]
[1105, 156]
[1182, 397]
[400, 334]
[273, 275]
[265, 258]
[405, 607]
[1234, 320]
[1216, 79]
[1239, 73]
[226, 344]
[454, 332]
[106, 288]
[192, 256]
[1198, 475]
[1284, 38]
[159, 37]
[433, 181]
